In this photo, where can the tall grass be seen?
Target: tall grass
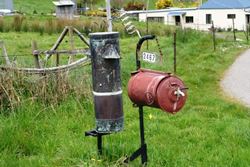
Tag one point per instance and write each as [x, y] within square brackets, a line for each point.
[86, 25]
[49, 89]
[17, 22]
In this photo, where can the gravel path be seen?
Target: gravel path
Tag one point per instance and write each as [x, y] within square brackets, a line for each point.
[236, 82]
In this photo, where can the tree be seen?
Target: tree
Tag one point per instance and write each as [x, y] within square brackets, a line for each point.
[162, 4]
[134, 5]
[117, 4]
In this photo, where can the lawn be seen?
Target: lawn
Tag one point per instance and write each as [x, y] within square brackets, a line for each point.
[29, 6]
[211, 130]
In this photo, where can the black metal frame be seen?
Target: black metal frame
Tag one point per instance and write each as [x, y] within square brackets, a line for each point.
[142, 151]
[98, 135]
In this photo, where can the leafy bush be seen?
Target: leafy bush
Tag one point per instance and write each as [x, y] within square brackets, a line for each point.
[134, 6]
[162, 4]
[96, 13]
[1, 24]
[17, 22]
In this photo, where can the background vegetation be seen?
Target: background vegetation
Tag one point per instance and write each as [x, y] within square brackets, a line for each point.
[46, 6]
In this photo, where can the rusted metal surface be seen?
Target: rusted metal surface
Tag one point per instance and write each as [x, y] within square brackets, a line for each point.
[105, 56]
[157, 89]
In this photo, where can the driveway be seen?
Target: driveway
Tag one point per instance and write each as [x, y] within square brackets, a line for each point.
[236, 82]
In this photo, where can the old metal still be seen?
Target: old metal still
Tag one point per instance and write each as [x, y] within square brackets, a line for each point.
[105, 56]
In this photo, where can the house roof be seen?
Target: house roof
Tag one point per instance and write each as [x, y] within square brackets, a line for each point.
[226, 4]
[176, 13]
[159, 11]
[64, 3]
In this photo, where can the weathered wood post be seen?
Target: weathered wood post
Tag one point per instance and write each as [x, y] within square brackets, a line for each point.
[109, 18]
[4, 52]
[35, 54]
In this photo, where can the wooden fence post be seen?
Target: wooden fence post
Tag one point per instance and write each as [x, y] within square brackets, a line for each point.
[5, 55]
[35, 54]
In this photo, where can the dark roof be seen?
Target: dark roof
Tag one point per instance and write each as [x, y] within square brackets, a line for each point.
[225, 4]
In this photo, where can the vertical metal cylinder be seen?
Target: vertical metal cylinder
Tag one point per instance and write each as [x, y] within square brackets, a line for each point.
[105, 56]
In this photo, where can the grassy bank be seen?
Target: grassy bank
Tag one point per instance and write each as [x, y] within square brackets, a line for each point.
[211, 130]
[86, 25]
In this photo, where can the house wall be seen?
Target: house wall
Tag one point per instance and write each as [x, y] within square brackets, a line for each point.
[219, 17]
[6, 4]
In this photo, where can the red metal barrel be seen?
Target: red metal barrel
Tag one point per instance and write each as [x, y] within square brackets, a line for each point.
[157, 89]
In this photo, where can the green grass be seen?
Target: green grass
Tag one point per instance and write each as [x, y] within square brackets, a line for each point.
[211, 130]
[29, 6]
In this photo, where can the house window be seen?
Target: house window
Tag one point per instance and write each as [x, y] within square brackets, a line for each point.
[156, 19]
[208, 19]
[231, 16]
[189, 19]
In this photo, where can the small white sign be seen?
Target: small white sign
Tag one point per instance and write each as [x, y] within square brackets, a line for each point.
[149, 57]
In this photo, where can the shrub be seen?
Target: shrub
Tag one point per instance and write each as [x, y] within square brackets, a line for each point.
[25, 27]
[117, 4]
[162, 4]
[49, 26]
[96, 13]
[1, 24]
[134, 6]
[17, 22]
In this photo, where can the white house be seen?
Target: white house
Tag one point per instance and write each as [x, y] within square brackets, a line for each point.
[221, 12]
[6, 7]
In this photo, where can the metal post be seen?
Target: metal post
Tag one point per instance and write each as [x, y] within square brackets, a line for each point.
[234, 30]
[147, 20]
[99, 144]
[109, 18]
[175, 53]
[142, 151]
[213, 31]
[144, 157]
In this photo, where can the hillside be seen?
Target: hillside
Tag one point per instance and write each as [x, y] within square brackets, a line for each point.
[46, 6]
[29, 6]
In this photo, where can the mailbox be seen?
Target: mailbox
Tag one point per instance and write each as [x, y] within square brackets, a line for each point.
[157, 89]
[107, 91]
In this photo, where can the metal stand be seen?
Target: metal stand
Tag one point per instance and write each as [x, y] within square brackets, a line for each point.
[98, 135]
[142, 151]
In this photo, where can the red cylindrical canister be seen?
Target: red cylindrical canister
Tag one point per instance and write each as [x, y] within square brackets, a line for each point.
[157, 89]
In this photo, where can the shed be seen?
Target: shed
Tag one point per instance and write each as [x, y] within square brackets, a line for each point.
[64, 9]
